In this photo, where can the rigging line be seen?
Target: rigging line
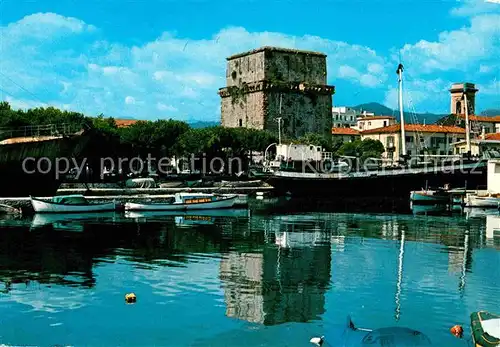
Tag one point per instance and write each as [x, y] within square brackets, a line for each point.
[20, 86]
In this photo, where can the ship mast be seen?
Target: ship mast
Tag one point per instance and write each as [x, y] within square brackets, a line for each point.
[401, 113]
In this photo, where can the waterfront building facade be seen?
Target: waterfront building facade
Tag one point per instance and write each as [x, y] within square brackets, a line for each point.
[273, 87]
[420, 139]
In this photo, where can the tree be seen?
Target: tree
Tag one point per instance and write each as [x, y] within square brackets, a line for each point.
[367, 148]
[317, 140]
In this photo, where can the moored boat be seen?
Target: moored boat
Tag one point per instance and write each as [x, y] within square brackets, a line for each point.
[429, 196]
[186, 201]
[474, 200]
[485, 328]
[69, 204]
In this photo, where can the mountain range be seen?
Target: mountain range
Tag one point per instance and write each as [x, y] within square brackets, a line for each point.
[420, 118]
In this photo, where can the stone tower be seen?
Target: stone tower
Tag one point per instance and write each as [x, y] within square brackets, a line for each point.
[267, 83]
[457, 98]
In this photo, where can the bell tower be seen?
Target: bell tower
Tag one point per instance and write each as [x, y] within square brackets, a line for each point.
[457, 91]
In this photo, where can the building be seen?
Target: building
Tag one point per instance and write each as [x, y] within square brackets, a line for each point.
[344, 117]
[374, 122]
[420, 139]
[478, 124]
[272, 84]
[457, 91]
[345, 134]
[486, 144]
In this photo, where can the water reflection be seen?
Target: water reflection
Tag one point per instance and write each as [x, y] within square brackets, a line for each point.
[286, 281]
[259, 268]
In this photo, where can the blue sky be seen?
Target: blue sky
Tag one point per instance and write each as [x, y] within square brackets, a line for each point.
[166, 59]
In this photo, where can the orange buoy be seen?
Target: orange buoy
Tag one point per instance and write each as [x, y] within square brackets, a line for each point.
[457, 330]
[130, 298]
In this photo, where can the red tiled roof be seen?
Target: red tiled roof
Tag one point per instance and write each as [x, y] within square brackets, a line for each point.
[344, 131]
[374, 117]
[486, 119]
[123, 123]
[492, 136]
[431, 128]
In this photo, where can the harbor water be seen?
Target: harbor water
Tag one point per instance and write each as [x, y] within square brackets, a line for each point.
[257, 277]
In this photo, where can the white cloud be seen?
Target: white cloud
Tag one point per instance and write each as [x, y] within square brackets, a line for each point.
[366, 80]
[459, 49]
[72, 64]
[475, 7]
[419, 96]
[162, 107]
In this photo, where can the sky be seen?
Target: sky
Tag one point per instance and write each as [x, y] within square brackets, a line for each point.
[160, 59]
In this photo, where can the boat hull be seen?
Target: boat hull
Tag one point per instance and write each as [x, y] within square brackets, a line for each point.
[389, 185]
[483, 326]
[40, 206]
[222, 203]
[423, 197]
[482, 201]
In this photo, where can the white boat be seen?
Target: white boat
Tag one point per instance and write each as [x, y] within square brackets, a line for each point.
[186, 201]
[69, 204]
[487, 201]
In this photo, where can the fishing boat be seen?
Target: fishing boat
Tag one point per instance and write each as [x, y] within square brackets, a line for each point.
[186, 201]
[390, 336]
[396, 180]
[69, 204]
[429, 196]
[485, 328]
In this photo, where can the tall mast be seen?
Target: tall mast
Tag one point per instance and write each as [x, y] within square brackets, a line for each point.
[401, 113]
[467, 123]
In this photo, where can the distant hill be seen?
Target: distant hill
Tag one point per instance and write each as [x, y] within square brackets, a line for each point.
[491, 112]
[382, 110]
[202, 124]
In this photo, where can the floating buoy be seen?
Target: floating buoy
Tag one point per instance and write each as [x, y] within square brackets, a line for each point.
[457, 330]
[130, 298]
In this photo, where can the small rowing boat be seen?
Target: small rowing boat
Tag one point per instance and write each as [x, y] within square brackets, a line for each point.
[390, 336]
[186, 201]
[485, 328]
[69, 204]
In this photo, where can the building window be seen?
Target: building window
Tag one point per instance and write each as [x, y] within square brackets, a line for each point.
[409, 139]
[241, 122]
[385, 123]
[458, 107]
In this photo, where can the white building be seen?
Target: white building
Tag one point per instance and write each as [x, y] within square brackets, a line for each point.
[344, 117]
[374, 122]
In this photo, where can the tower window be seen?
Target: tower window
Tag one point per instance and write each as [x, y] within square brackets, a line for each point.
[241, 122]
[458, 108]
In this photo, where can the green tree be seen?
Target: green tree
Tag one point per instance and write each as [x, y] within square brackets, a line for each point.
[367, 148]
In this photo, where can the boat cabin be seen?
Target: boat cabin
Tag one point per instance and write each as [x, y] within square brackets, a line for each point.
[194, 198]
[75, 199]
